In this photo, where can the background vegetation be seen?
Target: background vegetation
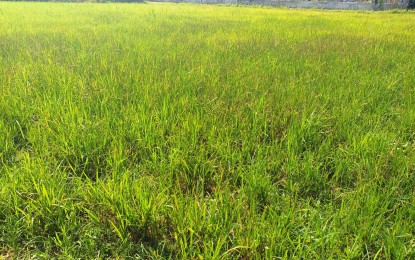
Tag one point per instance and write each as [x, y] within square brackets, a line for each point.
[80, 1]
[183, 131]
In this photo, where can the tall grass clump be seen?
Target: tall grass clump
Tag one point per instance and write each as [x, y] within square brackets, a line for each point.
[211, 132]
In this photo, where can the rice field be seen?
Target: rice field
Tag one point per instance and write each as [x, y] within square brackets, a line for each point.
[177, 131]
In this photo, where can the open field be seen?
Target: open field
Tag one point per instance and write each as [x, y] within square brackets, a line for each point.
[206, 132]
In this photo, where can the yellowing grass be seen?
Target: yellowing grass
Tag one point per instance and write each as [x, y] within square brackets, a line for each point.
[197, 131]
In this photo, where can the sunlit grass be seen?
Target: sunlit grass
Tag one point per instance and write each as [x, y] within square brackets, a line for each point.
[196, 131]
